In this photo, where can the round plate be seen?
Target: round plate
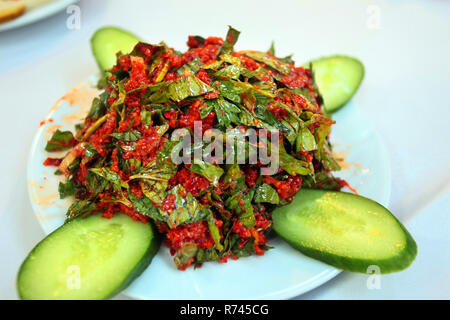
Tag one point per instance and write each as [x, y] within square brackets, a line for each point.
[281, 273]
[35, 14]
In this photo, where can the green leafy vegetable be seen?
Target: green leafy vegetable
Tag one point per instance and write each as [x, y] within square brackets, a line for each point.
[241, 204]
[180, 89]
[98, 109]
[110, 176]
[306, 141]
[208, 170]
[230, 40]
[215, 234]
[187, 208]
[127, 136]
[185, 254]
[230, 90]
[271, 61]
[67, 189]
[265, 193]
[80, 207]
[226, 112]
[60, 141]
[234, 179]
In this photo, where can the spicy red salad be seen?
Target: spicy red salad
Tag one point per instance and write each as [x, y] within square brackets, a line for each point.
[120, 158]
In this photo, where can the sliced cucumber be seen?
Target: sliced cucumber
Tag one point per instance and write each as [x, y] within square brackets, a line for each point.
[338, 78]
[347, 231]
[107, 41]
[88, 258]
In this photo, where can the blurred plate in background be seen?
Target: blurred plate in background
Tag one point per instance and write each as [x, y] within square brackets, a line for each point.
[37, 13]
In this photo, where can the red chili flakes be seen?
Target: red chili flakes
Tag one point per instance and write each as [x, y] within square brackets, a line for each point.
[182, 192]
[110, 208]
[249, 63]
[308, 155]
[206, 53]
[136, 190]
[124, 63]
[279, 112]
[286, 189]
[45, 121]
[268, 76]
[230, 38]
[175, 60]
[191, 181]
[344, 183]
[171, 76]
[82, 174]
[133, 100]
[136, 216]
[197, 233]
[241, 230]
[52, 162]
[260, 239]
[218, 41]
[138, 74]
[300, 101]
[146, 146]
[133, 119]
[161, 227]
[188, 119]
[101, 137]
[298, 78]
[111, 101]
[172, 116]
[186, 265]
[212, 95]
[168, 204]
[202, 75]
[193, 42]
[115, 165]
[261, 222]
[225, 257]
[146, 50]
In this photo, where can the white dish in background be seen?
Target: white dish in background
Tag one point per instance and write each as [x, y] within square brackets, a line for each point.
[40, 12]
[280, 274]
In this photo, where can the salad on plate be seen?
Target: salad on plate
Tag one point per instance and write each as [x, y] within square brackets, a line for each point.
[210, 152]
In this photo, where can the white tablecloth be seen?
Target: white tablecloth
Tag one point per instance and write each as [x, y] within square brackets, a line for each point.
[404, 46]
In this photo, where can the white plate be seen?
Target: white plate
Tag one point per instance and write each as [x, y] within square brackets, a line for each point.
[35, 14]
[281, 273]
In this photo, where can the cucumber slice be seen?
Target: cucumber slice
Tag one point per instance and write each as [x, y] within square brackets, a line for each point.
[347, 231]
[107, 41]
[88, 258]
[338, 78]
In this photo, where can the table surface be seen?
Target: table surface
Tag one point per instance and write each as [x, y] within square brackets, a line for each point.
[404, 46]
